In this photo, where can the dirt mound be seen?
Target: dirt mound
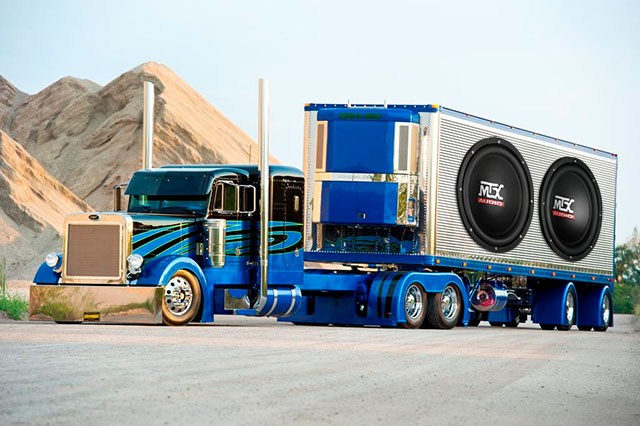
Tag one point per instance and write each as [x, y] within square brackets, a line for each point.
[32, 209]
[89, 137]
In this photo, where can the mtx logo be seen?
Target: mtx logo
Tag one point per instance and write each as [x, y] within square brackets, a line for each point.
[490, 193]
[562, 207]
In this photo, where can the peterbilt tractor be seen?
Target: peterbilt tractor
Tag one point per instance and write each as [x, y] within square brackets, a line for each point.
[407, 216]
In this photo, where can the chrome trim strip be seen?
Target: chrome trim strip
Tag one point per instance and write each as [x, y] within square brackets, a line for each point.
[275, 302]
[294, 291]
[364, 177]
[148, 93]
[263, 141]
[432, 179]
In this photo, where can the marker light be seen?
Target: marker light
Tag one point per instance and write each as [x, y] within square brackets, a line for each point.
[135, 262]
[51, 259]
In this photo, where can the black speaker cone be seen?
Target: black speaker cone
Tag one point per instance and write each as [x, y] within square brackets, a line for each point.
[570, 208]
[495, 194]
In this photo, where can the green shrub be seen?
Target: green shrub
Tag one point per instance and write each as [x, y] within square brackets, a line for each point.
[14, 305]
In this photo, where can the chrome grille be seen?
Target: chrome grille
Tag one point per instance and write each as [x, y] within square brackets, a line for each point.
[93, 250]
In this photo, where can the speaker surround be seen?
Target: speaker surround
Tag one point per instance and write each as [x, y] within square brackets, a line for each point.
[570, 208]
[495, 194]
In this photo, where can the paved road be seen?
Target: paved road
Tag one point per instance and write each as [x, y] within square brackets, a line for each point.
[256, 371]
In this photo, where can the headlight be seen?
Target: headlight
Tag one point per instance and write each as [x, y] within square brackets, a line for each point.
[135, 262]
[51, 259]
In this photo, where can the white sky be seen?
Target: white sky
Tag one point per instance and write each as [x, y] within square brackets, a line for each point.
[569, 69]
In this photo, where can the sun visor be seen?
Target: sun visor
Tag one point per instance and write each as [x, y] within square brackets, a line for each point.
[160, 182]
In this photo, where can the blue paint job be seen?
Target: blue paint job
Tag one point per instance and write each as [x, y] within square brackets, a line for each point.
[330, 297]
[413, 261]
[367, 203]
[504, 315]
[368, 115]
[360, 147]
[549, 303]
[159, 270]
[591, 299]
[45, 273]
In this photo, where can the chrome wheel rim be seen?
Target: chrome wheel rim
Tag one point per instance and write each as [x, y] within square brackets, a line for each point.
[570, 307]
[606, 310]
[178, 295]
[413, 303]
[449, 303]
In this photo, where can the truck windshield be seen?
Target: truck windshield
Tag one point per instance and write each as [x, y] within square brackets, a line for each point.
[173, 204]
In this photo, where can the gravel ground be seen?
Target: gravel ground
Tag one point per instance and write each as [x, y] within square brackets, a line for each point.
[256, 371]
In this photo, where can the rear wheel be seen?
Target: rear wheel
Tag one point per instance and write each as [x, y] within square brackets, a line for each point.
[414, 306]
[606, 313]
[547, 326]
[569, 311]
[444, 309]
[584, 327]
[496, 324]
[181, 299]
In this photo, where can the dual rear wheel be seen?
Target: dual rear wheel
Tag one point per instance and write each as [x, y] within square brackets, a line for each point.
[432, 310]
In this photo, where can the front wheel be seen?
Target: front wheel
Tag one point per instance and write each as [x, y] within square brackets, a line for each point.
[181, 299]
[414, 306]
[444, 309]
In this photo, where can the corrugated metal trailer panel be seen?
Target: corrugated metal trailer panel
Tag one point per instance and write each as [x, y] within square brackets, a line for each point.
[456, 136]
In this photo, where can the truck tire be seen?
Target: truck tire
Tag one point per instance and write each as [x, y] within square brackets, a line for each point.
[547, 326]
[415, 306]
[444, 309]
[569, 311]
[606, 313]
[181, 299]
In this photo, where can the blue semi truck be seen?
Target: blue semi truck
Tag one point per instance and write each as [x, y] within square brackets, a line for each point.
[404, 216]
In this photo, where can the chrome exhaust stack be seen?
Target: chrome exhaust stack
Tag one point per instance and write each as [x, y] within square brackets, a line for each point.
[263, 166]
[147, 125]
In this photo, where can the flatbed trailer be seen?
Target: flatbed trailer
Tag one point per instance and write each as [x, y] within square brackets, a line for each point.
[406, 215]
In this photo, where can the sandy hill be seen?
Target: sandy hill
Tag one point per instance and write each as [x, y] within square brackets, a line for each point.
[32, 209]
[89, 137]
[63, 148]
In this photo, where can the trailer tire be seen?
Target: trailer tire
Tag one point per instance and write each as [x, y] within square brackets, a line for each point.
[444, 309]
[606, 313]
[569, 311]
[181, 299]
[415, 306]
[496, 324]
[584, 327]
[547, 326]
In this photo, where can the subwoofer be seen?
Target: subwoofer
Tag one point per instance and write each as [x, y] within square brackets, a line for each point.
[570, 208]
[495, 194]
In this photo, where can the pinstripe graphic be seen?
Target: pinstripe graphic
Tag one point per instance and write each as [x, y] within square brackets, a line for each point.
[148, 236]
[162, 237]
[389, 298]
[385, 276]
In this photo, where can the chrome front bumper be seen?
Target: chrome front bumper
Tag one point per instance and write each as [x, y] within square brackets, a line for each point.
[96, 303]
